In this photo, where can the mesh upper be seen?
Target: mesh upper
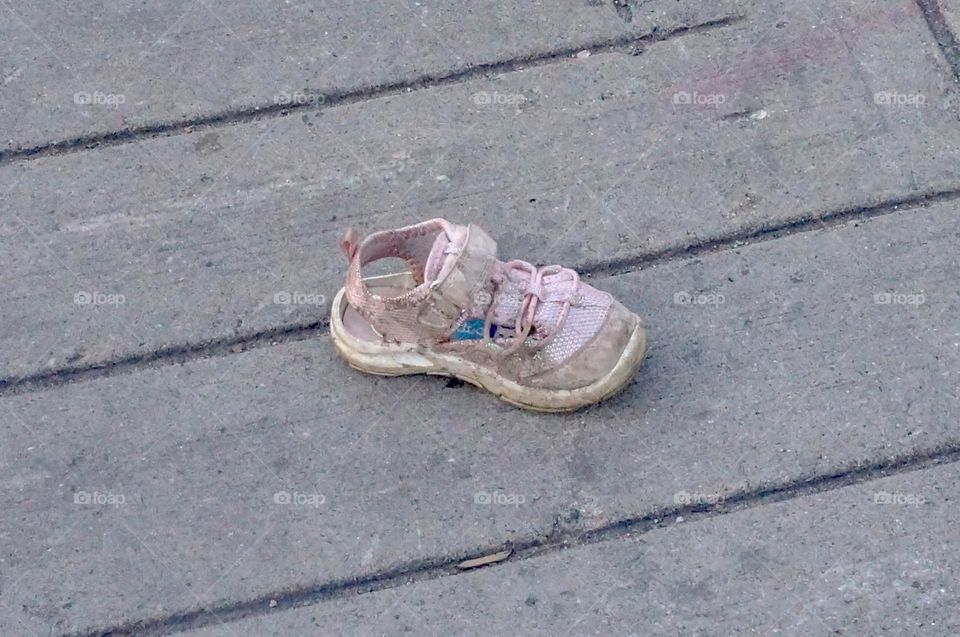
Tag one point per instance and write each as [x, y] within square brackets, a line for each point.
[583, 320]
[582, 323]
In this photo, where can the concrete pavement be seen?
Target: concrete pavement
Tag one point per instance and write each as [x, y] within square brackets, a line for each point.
[773, 186]
[593, 162]
[767, 367]
[79, 77]
[867, 559]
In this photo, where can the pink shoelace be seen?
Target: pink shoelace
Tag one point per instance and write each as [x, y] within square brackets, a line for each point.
[534, 294]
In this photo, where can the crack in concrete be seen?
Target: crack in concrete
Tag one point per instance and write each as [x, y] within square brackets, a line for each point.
[227, 345]
[623, 43]
[768, 232]
[558, 539]
[940, 28]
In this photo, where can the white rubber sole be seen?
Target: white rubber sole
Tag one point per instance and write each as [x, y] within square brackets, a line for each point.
[385, 359]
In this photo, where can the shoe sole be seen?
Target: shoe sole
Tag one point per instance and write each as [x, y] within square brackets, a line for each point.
[387, 359]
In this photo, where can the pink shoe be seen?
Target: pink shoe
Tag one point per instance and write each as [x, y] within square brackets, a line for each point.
[538, 338]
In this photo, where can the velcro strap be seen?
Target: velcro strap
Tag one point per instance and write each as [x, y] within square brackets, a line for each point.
[457, 287]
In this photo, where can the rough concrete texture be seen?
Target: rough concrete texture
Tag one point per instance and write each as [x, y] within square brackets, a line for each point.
[871, 559]
[775, 193]
[943, 18]
[140, 64]
[145, 494]
[790, 114]
[951, 11]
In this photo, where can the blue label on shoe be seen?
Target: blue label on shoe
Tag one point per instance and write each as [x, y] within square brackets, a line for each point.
[472, 330]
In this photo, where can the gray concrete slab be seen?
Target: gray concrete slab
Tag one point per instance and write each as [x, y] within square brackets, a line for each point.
[177, 242]
[142, 495]
[112, 66]
[951, 10]
[877, 558]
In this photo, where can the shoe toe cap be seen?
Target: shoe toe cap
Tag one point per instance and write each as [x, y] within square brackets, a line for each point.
[597, 358]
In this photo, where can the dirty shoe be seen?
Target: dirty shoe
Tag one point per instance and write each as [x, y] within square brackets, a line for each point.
[538, 338]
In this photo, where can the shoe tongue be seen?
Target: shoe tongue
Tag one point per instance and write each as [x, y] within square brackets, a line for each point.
[444, 253]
